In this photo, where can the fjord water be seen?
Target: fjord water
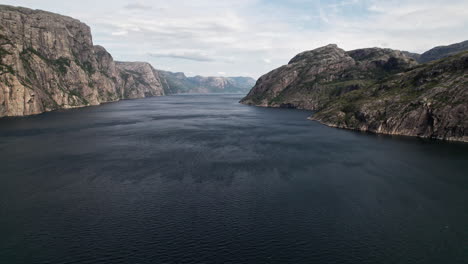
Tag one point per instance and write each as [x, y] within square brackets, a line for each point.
[203, 179]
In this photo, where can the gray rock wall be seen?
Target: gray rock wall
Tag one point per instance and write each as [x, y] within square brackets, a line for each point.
[49, 62]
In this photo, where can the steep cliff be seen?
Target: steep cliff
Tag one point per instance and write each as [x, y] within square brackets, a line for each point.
[179, 83]
[48, 62]
[376, 90]
[140, 80]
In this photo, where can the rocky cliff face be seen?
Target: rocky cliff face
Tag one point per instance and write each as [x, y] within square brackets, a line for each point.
[430, 101]
[179, 83]
[377, 90]
[313, 78]
[140, 80]
[48, 62]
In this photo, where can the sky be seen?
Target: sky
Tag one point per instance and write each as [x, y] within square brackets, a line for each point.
[252, 37]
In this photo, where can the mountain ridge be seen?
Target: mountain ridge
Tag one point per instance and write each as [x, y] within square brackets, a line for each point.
[441, 52]
[48, 62]
[178, 82]
[377, 90]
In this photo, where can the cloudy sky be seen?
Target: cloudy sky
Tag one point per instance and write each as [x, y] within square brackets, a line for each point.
[252, 37]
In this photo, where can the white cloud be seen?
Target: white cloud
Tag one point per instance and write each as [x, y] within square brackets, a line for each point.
[138, 6]
[256, 36]
[120, 33]
[184, 55]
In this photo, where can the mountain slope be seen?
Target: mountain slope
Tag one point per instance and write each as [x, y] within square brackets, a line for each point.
[430, 101]
[376, 90]
[443, 52]
[313, 78]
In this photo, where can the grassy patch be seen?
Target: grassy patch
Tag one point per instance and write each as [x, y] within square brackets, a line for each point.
[6, 69]
[88, 67]
[5, 40]
[349, 107]
[61, 64]
[85, 66]
[3, 52]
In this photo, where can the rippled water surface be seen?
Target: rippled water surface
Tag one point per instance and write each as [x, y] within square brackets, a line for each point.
[203, 179]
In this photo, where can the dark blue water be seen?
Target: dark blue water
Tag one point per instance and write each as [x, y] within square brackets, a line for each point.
[203, 179]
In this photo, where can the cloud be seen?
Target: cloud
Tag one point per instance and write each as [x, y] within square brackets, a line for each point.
[120, 33]
[192, 56]
[138, 6]
[255, 36]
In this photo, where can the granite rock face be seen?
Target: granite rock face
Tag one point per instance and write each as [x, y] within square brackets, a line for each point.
[377, 90]
[176, 83]
[429, 101]
[48, 62]
[140, 80]
[313, 78]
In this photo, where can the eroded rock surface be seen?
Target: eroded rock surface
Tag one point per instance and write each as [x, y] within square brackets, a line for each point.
[430, 101]
[48, 62]
[313, 78]
[378, 90]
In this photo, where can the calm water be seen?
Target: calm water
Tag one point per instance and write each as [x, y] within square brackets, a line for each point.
[203, 179]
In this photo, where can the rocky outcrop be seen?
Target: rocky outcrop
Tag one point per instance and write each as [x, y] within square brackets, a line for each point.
[430, 101]
[313, 78]
[140, 80]
[48, 62]
[376, 90]
[179, 83]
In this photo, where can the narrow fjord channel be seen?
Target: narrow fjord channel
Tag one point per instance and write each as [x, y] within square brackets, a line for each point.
[203, 179]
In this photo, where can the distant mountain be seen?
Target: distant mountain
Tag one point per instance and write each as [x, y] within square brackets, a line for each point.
[377, 90]
[49, 62]
[413, 55]
[175, 83]
[443, 52]
[439, 52]
[140, 79]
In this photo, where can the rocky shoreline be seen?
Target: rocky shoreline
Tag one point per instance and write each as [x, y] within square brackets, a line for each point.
[375, 90]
